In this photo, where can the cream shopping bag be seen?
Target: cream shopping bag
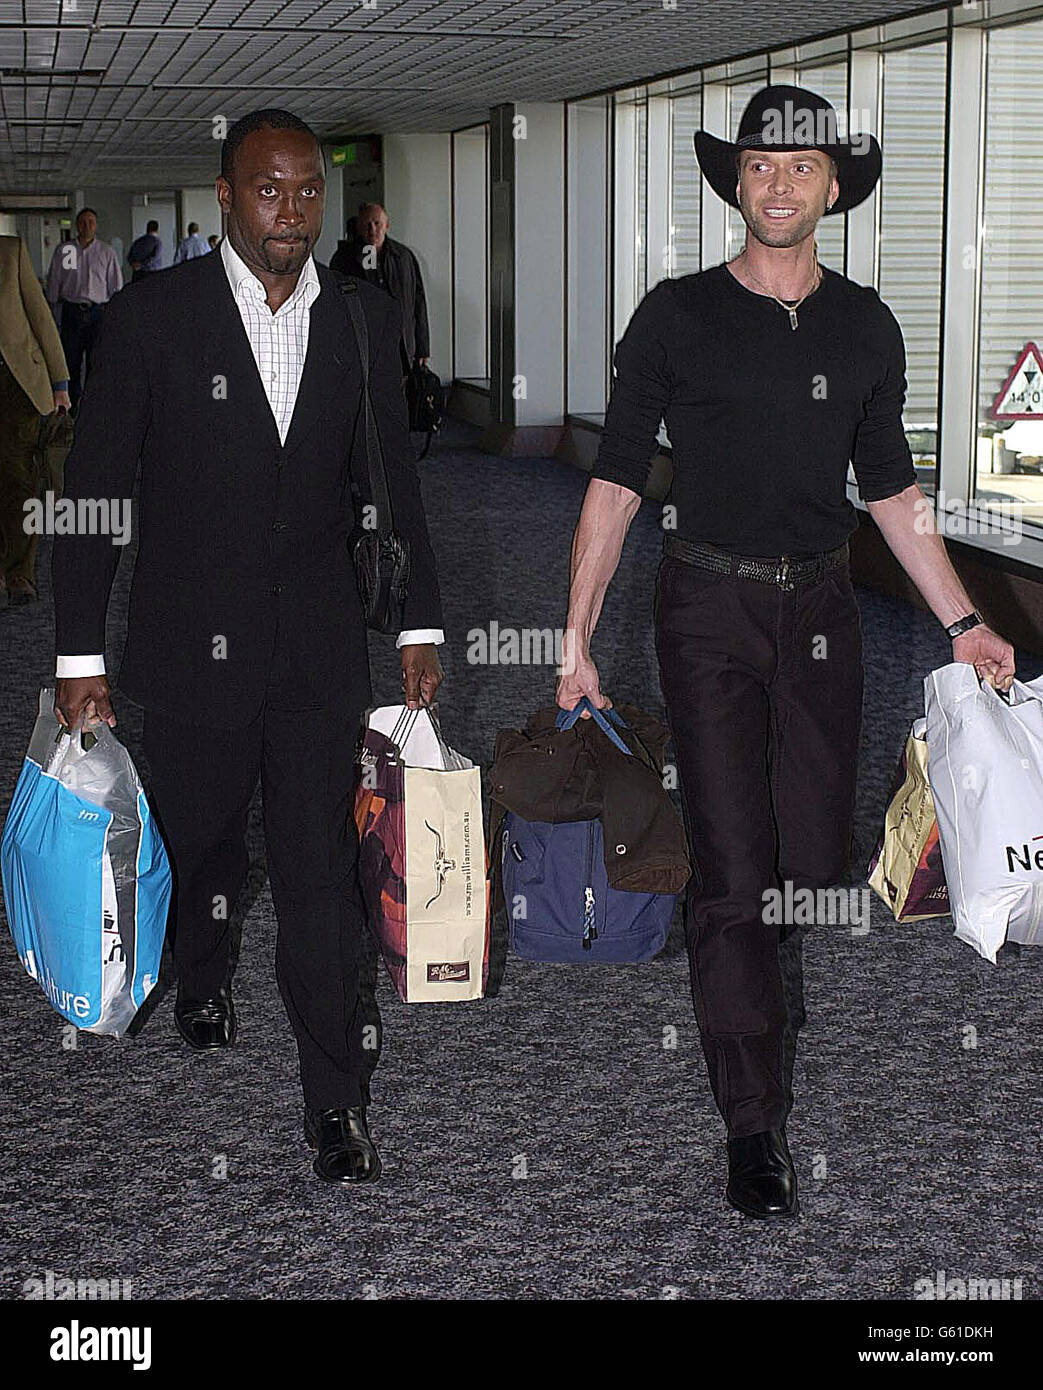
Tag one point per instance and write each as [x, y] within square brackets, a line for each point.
[422, 857]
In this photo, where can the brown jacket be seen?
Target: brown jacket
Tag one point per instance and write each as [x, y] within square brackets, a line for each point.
[542, 774]
[29, 341]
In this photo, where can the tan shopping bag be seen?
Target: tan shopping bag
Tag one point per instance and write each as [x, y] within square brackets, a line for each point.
[906, 868]
[422, 859]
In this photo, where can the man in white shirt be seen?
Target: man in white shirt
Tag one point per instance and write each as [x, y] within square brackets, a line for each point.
[235, 381]
[83, 276]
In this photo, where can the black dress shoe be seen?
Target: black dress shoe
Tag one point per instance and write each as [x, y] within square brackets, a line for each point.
[346, 1153]
[761, 1178]
[206, 1024]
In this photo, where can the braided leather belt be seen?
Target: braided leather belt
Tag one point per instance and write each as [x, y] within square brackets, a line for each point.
[782, 570]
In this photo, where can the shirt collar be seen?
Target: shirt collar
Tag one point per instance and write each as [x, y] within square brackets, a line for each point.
[243, 281]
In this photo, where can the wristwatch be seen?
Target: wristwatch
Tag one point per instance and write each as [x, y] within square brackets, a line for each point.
[962, 625]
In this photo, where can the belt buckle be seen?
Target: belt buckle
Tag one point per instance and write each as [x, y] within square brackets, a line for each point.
[782, 578]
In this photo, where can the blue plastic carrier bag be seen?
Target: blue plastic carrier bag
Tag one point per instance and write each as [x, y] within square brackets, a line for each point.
[86, 877]
[560, 905]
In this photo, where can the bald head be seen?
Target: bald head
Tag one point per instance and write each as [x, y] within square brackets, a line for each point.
[372, 224]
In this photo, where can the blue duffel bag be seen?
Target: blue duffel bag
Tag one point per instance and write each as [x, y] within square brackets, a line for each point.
[560, 906]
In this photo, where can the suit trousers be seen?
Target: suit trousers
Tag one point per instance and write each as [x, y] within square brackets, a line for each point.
[79, 328]
[763, 689]
[19, 476]
[203, 779]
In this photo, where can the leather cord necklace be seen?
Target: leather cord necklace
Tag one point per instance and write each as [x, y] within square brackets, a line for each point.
[791, 306]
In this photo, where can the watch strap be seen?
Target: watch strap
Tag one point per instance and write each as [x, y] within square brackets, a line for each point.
[962, 625]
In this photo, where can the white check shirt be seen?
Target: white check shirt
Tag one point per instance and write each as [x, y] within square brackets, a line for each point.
[279, 343]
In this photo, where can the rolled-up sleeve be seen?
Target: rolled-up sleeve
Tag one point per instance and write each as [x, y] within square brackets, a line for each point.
[640, 393]
[881, 458]
[114, 275]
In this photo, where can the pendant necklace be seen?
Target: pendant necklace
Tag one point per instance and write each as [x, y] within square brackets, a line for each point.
[791, 306]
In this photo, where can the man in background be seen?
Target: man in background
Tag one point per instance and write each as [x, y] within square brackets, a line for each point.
[146, 253]
[192, 245]
[83, 276]
[370, 254]
[212, 241]
[33, 382]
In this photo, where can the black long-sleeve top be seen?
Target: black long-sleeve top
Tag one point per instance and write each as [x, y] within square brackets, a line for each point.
[763, 419]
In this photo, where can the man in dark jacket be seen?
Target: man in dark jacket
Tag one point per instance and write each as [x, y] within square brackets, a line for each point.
[370, 254]
[146, 253]
[235, 380]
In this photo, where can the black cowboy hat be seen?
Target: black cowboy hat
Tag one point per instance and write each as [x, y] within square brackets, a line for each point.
[792, 118]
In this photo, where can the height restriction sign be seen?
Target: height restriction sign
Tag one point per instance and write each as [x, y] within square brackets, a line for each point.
[1021, 397]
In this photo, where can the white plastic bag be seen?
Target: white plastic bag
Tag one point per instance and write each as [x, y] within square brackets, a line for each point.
[417, 736]
[85, 875]
[985, 763]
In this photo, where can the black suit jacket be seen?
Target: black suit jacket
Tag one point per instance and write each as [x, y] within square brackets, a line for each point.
[242, 541]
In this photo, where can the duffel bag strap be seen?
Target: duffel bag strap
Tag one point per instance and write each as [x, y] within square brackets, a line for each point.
[568, 717]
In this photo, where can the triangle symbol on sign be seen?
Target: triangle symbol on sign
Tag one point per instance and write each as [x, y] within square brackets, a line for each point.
[1021, 397]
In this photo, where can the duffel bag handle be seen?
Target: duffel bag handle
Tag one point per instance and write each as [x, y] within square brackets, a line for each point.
[568, 717]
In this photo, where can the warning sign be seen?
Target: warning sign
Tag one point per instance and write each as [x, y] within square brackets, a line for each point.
[1021, 397]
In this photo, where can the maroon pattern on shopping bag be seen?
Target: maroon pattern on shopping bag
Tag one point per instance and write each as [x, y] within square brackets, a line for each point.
[380, 814]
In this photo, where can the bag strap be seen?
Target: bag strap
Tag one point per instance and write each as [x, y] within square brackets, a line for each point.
[568, 717]
[406, 723]
[378, 480]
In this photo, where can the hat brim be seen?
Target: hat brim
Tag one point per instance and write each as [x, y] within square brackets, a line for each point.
[857, 170]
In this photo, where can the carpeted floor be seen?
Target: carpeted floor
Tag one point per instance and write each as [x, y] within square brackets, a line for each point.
[547, 1143]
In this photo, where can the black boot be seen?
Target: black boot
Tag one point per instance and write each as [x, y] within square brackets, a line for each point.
[346, 1153]
[761, 1178]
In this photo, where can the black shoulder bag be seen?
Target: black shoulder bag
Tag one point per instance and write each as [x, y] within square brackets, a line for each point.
[424, 397]
[381, 556]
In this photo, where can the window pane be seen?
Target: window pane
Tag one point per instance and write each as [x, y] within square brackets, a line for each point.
[738, 96]
[830, 82]
[629, 212]
[1010, 452]
[588, 258]
[685, 186]
[640, 244]
[470, 286]
[910, 248]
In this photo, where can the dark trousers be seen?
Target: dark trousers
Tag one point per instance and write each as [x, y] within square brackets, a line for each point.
[763, 688]
[19, 477]
[202, 782]
[79, 328]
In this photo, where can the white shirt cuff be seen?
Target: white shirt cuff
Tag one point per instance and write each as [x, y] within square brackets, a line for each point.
[69, 667]
[415, 636]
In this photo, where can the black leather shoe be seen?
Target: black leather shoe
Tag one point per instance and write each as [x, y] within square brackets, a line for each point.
[346, 1153]
[761, 1178]
[206, 1024]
